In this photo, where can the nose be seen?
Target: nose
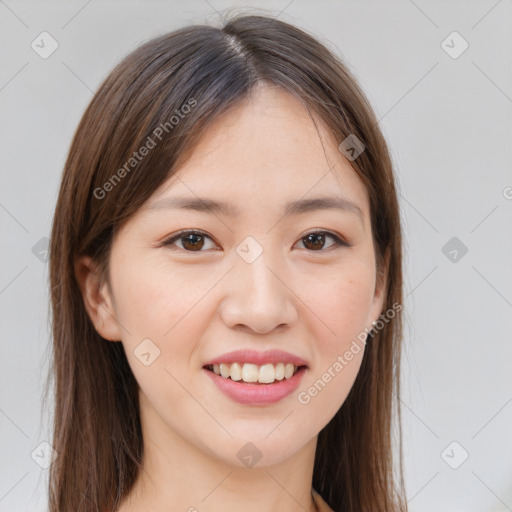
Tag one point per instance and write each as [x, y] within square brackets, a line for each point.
[257, 297]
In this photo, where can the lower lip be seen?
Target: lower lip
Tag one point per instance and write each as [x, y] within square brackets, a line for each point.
[255, 394]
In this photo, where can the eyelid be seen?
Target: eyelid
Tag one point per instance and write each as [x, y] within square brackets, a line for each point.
[168, 242]
[340, 241]
[333, 234]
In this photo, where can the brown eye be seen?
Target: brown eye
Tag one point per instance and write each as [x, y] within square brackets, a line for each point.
[315, 241]
[192, 241]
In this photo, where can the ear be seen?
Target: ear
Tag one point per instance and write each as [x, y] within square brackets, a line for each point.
[379, 296]
[97, 299]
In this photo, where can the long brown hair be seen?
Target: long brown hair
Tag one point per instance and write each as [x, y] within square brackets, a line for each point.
[96, 423]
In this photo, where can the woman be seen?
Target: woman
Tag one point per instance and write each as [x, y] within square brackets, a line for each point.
[226, 284]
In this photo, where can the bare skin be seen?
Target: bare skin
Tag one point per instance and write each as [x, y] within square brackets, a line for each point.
[310, 300]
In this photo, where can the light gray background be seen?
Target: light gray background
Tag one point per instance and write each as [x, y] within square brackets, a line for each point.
[448, 122]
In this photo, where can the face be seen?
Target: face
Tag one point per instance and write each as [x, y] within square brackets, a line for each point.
[257, 277]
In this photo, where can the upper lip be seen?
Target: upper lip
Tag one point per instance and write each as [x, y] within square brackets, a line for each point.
[258, 358]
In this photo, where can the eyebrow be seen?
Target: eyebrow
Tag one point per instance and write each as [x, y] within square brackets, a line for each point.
[291, 208]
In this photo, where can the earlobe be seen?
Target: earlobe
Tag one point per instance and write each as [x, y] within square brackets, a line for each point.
[97, 300]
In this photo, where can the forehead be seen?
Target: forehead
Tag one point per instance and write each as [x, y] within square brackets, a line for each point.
[266, 151]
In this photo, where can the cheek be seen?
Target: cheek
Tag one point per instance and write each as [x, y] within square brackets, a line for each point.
[166, 306]
[155, 300]
[341, 302]
[341, 307]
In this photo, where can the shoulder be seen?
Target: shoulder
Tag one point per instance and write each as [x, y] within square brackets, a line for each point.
[322, 505]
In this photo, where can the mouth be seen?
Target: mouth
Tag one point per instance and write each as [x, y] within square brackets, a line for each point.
[243, 383]
[257, 375]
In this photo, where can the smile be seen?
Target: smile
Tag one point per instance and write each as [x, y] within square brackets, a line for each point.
[255, 392]
[252, 373]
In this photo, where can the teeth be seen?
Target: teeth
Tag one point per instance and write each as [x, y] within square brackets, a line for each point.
[250, 372]
[265, 374]
[289, 370]
[279, 371]
[224, 370]
[235, 372]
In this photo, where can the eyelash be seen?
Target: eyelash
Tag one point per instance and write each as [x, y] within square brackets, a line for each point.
[338, 241]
